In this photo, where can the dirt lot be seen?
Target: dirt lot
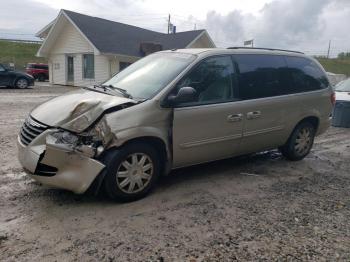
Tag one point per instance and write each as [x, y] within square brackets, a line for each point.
[260, 207]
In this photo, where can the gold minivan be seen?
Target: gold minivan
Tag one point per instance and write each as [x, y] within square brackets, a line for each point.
[173, 109]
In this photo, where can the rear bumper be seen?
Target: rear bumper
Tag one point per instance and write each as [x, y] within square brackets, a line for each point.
[73, 171]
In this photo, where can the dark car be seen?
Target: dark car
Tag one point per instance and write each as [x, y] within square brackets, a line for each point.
[38, 71]
[12, 78]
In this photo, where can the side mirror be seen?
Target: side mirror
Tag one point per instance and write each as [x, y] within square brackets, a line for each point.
[186, 94]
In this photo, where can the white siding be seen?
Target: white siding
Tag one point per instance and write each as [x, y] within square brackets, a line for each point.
[115, 60]
[71, 41]
[58, 69]
[101, 70]
[201, 42]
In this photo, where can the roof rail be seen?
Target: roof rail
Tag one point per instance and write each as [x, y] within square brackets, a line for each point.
[261, 48]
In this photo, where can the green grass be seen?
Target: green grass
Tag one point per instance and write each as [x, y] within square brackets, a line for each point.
[336, 65]
[19, 53]
[22, 53]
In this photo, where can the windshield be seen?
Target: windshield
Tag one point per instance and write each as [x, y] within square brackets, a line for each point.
[149, 75]
[343, 86]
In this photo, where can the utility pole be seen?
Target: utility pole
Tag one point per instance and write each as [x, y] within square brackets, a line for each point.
[329, 48]
[169, 24]
[195, 26]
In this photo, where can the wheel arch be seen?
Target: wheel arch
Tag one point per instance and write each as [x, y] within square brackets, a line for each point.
[18, 78]
[159, 144]
[314, 120]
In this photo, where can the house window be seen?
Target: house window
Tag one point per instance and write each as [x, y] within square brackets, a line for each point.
[88, 66]
[123, 65]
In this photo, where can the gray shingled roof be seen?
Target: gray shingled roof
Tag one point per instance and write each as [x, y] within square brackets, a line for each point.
[118, 38]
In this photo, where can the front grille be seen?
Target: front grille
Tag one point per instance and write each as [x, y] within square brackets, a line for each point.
[30, 130]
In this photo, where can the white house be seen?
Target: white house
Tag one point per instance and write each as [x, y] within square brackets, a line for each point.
[84, 50]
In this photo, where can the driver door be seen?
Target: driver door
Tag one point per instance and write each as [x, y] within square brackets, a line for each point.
[4, 76]
[210, 127]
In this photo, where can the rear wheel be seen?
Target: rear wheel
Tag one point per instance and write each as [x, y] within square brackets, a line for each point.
[22, 83]
[131, 172]
[300, 142]
[41, 78]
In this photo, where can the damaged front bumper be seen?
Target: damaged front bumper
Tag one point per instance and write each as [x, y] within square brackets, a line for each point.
[58, 165]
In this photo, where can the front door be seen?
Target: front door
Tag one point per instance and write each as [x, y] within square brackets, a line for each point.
[210, 127]
[70, 70]
[4, 76]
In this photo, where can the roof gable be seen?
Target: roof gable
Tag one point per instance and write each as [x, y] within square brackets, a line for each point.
[111, 37]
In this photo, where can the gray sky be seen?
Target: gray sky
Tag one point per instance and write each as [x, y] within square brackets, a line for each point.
[305, 25]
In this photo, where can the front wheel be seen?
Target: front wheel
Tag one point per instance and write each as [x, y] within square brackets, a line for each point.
[22, 83]
[300, 142]
[131, 172]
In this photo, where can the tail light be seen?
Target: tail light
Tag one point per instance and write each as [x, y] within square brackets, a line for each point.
[333, 99]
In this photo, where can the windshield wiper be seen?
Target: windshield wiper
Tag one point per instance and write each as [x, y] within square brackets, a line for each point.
[111, 87]
[121, 90]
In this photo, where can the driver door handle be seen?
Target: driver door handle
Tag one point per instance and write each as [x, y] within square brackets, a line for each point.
[253, 114]
[235, 117]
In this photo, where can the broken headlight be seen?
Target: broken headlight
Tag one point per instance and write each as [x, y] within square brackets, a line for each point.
[65, 137]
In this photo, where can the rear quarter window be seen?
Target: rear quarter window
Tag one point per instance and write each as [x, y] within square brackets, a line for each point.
[260, 75]
[305, 75]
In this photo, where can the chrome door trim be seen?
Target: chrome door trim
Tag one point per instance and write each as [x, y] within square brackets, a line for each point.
[263, 131]
[210, 141]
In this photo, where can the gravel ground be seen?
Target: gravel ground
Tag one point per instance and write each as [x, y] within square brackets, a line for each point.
[258, 207]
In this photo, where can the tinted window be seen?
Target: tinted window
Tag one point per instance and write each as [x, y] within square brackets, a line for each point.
[260, 75]
[305, 75]
[45, 67]
[212, 79]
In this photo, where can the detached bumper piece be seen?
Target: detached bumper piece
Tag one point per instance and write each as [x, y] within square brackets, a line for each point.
[57, 165]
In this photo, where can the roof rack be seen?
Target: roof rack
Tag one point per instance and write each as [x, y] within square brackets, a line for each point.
[261, 48]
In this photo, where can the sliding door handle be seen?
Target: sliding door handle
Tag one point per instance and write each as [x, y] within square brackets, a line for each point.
[253, 114]
[235, 117]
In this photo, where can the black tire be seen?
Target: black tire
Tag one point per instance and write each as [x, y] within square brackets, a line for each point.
[41, 78]
[113, 160]
[295, 149]
[22, 83]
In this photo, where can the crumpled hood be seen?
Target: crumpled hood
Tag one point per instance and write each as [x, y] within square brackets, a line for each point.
[77, 110]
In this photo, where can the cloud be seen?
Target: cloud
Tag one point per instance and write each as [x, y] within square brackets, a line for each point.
[296, 24]
[25, 16]
[305, 25]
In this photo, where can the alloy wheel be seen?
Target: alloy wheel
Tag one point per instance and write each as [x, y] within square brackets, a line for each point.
[134, 173]
[22, 83]
[303, 141]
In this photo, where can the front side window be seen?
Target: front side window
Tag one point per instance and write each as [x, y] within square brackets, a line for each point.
[305, 75]
[146, 77]
[260, 75]
[212, 79]
[88, 66]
